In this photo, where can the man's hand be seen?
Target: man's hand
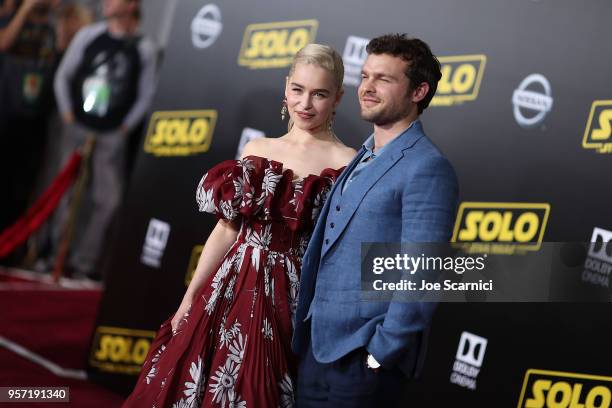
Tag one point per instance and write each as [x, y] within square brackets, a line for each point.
[125, 131]
[28, 5]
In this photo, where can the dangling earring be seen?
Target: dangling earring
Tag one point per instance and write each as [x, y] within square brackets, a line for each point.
[331, 122]
[284, 109]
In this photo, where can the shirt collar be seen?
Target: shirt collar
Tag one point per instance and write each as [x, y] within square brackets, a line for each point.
[369, 144]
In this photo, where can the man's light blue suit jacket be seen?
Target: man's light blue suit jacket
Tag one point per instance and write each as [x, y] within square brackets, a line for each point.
[407, 194]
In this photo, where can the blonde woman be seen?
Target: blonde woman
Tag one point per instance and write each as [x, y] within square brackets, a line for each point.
[229, 343]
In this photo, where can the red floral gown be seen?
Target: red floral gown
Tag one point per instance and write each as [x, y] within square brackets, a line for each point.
[233, 347]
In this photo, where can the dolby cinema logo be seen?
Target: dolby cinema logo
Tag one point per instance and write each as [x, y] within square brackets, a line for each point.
[598, 263]
[468, 360]
[532, 101]
[155, 243]
[206, 26]
[354, 56]
[601, 245]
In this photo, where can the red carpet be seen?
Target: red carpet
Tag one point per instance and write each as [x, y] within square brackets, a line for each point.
[54, 322]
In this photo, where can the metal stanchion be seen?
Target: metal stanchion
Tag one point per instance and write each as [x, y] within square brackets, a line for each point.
[75, 202]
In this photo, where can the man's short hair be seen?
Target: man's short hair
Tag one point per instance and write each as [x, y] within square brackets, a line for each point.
[423, 66]
[137, 14]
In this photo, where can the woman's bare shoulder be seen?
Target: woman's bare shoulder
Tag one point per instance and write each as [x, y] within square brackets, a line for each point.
[345, 154]
[260, 146]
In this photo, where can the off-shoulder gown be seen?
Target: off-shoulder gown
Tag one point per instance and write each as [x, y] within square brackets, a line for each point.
[233, 347]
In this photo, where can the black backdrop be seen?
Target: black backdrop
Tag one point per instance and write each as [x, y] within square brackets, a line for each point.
[214, 91]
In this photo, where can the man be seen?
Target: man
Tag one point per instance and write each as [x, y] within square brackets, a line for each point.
[399, 188]
[27, 65]
[103, 87]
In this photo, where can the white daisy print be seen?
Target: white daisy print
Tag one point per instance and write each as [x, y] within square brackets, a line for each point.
[224, 381]
[193, 389]
[204, 197]
[236, 349]
[153, 371]
[267, 330]
[227, 335]
[228, 210]
[235, 401]
[182, 403]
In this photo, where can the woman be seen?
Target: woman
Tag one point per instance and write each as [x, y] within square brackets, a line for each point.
[228, 344]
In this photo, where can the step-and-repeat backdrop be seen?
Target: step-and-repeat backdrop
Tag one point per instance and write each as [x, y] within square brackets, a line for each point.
[523, 111]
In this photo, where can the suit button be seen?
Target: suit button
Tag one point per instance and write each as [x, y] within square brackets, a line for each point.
[326, 241]
[337, 208]
[331, 225]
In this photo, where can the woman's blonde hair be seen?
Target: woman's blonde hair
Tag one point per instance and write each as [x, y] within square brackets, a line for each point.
[322, 56]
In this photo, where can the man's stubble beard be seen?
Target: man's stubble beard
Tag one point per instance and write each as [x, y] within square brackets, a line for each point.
[381, 118]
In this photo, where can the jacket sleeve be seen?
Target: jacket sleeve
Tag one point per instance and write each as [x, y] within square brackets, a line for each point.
[429, 203]
[147, 84]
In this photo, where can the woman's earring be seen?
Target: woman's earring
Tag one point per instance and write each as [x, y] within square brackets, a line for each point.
[331, 121]
[284, 109]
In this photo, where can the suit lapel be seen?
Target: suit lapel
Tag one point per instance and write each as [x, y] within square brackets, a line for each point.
[354, 194]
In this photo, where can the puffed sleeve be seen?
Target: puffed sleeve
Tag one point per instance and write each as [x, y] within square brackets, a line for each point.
[219, 191]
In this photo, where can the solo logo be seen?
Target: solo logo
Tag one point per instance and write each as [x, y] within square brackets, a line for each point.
[554, 389]
[598, 132]
[461, 78]
[469, 358]
[500, 228]
[193, 263]
[119, 350]
[273, 45]
[180, 133]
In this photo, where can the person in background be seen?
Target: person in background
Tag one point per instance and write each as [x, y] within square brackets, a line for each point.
[27, 64]
[20, 18]
[104, 85]
[6, 8]
[70, 18]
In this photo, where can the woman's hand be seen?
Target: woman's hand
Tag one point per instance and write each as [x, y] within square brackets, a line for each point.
[181, 313]
[219, 242]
